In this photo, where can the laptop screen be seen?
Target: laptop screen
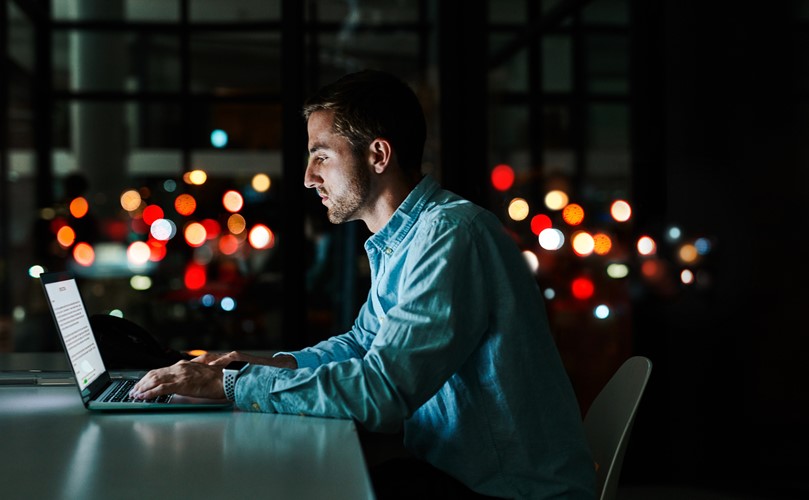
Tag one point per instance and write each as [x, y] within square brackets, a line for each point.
[74, 327]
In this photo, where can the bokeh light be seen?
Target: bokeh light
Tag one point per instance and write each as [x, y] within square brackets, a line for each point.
[236, 224]
[582, 288]
[35, 271]
[152, 213]
[602, 244]
[79, 207]
[531, 259]
[688, 253]
[163, 229]
[169, 185]
[261, 237]
[138, 253]
[674, 233]
[703, 246]
[687, 277]
[219, 138]
[620, 210]
[195, 276]
[652, 269]
[232, 201]
[227, 304]
[140, 282]
[502, 177]
[261, 183]
[157, 250]
[646, 245]
[602, 311]
[212, 227]
[556, 199]
[617, 270]
[228, 244]
[185, 204]
[582, 243]
[195, 177]
[518, 209]
[551, 239]
[130, 200]
[539, 223]
[195, 234]
[573, 214]
[83, 254]
[66, 236]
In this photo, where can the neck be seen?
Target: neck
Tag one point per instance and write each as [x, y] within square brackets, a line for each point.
[388, 199]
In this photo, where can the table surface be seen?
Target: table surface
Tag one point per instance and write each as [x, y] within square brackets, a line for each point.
[53, 448]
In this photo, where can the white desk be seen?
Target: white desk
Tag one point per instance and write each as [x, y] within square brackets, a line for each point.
[52, 448]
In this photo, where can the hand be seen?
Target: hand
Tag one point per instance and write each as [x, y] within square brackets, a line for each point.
[219, 359]
[185, 378]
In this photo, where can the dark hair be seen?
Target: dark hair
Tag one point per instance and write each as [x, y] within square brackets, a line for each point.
[369, 105]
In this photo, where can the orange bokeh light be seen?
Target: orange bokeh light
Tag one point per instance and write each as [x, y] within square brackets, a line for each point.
[185, 204]
[602, 244]
[79, 207]
[573, 214]
[236, 224]
[66, 236]
[84, 254]
[228, 244]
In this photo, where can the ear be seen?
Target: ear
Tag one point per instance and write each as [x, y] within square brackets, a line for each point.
[380, 155]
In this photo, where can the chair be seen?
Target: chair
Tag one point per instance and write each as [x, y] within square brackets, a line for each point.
[609, 420]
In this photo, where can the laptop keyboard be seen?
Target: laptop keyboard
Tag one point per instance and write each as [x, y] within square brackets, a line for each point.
[121, 394]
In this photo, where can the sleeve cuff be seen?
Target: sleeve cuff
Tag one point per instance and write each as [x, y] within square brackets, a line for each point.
[303, 358]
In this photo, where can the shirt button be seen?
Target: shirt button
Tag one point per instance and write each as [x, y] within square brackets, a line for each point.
[256, 407]
[388, 250]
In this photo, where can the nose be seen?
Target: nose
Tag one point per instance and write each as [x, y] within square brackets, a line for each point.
[310, 179]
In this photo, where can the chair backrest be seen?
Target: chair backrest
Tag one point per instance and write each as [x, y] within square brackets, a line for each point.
[609, 420]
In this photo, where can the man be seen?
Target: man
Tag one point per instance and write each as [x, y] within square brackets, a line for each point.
[452, 346]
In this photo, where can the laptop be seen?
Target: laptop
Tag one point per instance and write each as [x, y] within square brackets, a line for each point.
[99, 391]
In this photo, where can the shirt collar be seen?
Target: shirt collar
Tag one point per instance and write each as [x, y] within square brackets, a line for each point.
[392, 233]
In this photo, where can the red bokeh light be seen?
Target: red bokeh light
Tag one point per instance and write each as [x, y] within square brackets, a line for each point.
[540, 223]
[502, 177]
[195, 276]
[582, 288]
[152, 213]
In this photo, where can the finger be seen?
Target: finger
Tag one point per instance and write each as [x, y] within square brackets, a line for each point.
[225, 359]
[206, 358]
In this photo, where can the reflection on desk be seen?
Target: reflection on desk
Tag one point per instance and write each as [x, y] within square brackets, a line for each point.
[54, 448]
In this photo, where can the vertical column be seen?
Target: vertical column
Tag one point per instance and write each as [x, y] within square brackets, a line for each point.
[294, 145]
[99, 129]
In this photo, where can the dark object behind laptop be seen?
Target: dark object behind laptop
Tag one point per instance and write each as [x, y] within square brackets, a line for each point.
[125, 345]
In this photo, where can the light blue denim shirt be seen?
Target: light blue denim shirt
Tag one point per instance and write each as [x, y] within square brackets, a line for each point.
[453, 346]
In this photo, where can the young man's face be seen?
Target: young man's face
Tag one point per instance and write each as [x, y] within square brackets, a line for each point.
[341, 179]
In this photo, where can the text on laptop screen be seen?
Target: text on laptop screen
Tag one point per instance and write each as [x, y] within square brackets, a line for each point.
[74, 325]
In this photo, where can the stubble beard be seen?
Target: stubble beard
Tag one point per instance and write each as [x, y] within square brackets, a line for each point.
[358, 187]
